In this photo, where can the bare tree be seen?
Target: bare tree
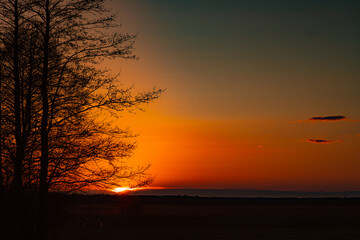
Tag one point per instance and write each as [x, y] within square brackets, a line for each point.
[51, 135]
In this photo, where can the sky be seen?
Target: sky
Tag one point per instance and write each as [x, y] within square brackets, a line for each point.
[259, 94]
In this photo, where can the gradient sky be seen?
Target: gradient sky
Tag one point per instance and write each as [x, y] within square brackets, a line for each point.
[242, 78]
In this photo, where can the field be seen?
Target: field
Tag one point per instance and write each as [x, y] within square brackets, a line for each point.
[146, 217]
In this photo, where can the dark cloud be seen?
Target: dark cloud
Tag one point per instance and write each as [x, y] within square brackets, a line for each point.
[319, 141]
[328, 118]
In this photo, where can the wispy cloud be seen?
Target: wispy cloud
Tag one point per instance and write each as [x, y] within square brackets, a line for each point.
[328, 118]
[321, 141]
[332, 118]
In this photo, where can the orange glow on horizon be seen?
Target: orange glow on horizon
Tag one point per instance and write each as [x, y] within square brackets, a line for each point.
[207, 153]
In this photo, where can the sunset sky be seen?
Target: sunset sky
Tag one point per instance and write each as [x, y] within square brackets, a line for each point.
[243, 80]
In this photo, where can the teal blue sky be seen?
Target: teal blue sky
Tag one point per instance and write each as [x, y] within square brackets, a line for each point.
[281, 56]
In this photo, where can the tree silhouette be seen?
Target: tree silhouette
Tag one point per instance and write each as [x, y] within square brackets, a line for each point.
[52, 92]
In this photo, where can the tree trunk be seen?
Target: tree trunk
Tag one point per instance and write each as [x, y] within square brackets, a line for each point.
[43, 192]
[1, 141]
[17, 184]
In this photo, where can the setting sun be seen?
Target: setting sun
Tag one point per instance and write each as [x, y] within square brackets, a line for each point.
[122, 189]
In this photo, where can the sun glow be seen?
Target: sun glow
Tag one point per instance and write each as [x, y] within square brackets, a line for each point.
[123, 189]
[129, 189]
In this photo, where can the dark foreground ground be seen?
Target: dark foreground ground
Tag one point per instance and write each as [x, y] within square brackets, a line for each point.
[137, 217]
